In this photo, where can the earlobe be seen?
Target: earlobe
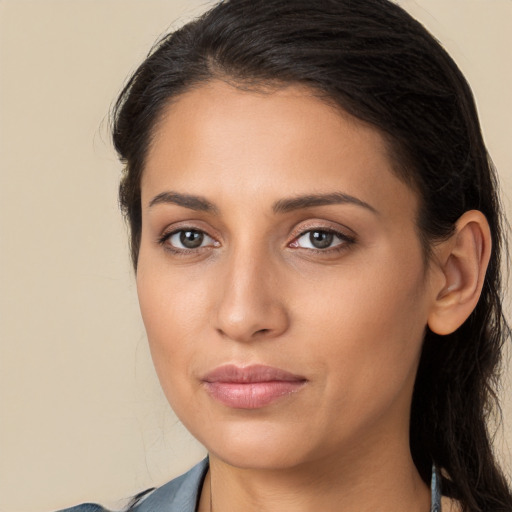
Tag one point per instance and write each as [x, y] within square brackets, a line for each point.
[463, 261]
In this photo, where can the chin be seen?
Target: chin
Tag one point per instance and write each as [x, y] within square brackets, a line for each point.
[257, 457]
[256, 446]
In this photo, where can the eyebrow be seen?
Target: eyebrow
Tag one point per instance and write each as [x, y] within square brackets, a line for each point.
[309, 201]
[201, 204]
[191, 202]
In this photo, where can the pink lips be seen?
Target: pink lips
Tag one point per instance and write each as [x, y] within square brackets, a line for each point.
[250, 387]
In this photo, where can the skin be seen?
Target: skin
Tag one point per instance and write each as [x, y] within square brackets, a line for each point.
[350, 319]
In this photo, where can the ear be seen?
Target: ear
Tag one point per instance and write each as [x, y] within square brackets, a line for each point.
[462, 260]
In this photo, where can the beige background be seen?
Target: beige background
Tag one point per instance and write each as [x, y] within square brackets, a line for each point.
[82, 416]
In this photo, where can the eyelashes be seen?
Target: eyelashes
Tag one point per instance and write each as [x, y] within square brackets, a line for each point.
[189, 239]
[321, 240]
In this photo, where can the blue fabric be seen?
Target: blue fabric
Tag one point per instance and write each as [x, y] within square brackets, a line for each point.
[178, 495]
[435, 491]
[86, 507]
[182, 494]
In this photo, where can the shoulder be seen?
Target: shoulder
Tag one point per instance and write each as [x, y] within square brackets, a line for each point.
[450, 505]
[181, 494]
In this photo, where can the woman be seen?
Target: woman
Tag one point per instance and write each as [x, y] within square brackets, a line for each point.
[316, 236]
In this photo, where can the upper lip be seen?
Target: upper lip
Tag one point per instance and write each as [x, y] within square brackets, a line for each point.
[250, 374]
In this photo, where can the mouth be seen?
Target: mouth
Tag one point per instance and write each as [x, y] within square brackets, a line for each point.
[250, 387]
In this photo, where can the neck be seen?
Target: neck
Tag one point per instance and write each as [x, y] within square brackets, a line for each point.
[388, 482]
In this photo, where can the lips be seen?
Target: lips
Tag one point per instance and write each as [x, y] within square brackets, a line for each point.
[251, 387]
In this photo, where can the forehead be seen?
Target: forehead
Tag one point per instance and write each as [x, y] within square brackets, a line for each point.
[220, 140]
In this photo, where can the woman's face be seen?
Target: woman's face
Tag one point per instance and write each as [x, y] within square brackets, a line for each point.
[280, 277]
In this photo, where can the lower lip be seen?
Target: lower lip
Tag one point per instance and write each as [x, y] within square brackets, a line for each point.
[251, 395]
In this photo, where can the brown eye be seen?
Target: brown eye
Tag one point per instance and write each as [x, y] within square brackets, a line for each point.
[191, 239]
[188, 239]
[321, 239]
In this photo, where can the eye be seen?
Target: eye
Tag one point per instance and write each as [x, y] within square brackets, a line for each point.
[188, 239]
[320, 239]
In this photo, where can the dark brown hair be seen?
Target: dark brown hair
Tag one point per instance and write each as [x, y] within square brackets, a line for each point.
[383, 67]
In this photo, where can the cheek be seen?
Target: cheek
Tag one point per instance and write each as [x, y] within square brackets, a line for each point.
[172, 310]
[368, 326]
[171, 298]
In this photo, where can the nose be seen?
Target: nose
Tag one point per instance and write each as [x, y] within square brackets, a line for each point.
[251, 305]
